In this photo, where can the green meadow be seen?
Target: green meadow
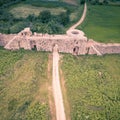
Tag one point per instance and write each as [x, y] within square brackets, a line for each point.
[102, 23]
[24, 10]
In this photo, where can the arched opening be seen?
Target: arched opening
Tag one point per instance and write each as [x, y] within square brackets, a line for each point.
[34, 48]
[75, 50]
[33, 45]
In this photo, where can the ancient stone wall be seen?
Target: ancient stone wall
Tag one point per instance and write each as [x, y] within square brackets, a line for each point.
[66, 46]
[108, 48]
[73, 42]
[4, 39]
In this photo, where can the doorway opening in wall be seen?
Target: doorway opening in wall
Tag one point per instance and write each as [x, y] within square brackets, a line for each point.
[34, 48]
[75, 50]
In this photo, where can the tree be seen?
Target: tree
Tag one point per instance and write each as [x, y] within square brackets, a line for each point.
[45, 16]
[82, 1]
[64, 18]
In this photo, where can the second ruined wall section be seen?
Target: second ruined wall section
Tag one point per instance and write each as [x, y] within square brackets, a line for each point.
[4, 39]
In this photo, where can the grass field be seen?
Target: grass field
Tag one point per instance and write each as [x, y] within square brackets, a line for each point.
[24, 10]
[23, 85]
[93, 86]
[74, 2]
[102, 23]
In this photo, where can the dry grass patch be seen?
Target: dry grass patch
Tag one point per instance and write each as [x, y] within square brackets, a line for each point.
[74, 2]
[23, 10]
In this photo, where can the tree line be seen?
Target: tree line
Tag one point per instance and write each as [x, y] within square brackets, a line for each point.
[45, 22]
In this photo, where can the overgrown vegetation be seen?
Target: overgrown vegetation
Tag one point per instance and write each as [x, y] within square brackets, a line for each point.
[23, 85]
[93, 86]
[6, 3]
[42, 23]
[103, 2]
[55, 23]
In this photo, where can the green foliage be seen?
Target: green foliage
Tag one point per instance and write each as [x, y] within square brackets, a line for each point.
[12, 104]
[93, 86]
[37, 112]
[98, 2]
[64, 18]
[50, 4]
[24, 106]
[6, 3]
[5, 62]
[31, 17]
[45, 22]
[51, 27]
[45, 16]
[82, 1]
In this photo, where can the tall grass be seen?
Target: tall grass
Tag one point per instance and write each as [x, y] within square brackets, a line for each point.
[93, 86]
[23, 88]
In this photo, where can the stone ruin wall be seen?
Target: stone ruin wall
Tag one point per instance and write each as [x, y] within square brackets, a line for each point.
[4, 39]
[64, 46]
[108, 48]
[68, 43]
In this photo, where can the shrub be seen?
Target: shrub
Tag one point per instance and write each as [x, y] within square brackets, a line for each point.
[31, 17]
[64, 18]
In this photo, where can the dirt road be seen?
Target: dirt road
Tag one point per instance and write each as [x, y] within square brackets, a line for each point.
[81, 19]
[60, 113]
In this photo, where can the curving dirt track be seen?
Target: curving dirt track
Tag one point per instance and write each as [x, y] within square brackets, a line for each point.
[81, 19]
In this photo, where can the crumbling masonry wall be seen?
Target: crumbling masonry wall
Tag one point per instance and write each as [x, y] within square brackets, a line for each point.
[73, 42]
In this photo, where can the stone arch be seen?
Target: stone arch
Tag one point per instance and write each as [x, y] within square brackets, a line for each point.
[33, 45]
[75, 50]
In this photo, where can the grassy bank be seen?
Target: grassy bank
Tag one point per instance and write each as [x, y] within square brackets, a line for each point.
[23, 85]
[102, 23]
[93, 86]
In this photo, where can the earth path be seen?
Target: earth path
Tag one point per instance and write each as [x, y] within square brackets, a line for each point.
[81, 19]
[60, 113]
